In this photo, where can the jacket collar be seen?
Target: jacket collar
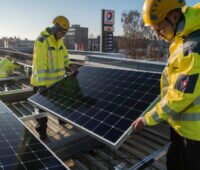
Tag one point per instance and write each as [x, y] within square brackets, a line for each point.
[189, 24]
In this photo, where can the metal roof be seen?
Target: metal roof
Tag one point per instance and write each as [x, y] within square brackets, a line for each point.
[145, 149]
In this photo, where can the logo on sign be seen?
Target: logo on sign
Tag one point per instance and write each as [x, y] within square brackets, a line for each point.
[109, 15]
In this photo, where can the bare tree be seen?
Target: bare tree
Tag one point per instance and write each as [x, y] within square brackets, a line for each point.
[131, 23]
[140, 41]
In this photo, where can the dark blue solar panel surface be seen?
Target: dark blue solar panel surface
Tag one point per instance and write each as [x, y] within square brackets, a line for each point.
[19, 149]
[102, 101]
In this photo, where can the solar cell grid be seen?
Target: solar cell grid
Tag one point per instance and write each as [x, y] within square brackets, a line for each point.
[102, 101]
[19, 149]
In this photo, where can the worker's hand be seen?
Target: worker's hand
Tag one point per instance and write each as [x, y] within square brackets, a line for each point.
[41, 88]
[139, 123]
[73, 68]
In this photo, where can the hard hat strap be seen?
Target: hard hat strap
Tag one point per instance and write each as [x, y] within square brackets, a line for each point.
[56, 27]
[173, 25]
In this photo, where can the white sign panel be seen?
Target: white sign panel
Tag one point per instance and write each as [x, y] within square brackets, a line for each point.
[109, 17]
[109, 28]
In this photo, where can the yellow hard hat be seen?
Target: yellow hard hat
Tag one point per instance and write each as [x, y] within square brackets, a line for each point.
[154, 11]
[8, 57]
[62, 21]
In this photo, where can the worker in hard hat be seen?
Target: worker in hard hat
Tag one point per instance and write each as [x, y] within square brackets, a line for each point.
[50, 60]
[7, 66]
[180, 82]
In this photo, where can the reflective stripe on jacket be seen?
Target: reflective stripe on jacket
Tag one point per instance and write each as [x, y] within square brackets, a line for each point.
[6, 67]
[49, 60]
[180, 81]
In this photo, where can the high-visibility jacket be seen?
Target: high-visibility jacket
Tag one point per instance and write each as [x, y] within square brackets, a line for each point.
[50, 57]
[180, 81]
[6, 67]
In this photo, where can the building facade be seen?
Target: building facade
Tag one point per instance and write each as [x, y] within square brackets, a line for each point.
[94, 44]
[77, 38]
[16, 43]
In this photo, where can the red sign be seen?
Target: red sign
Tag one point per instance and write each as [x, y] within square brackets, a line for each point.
[109, 28]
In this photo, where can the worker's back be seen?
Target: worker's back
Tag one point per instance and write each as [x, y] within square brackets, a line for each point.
[6, 66]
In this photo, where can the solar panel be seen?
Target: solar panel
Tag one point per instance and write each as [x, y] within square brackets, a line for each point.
[19, 148]
[103, 102]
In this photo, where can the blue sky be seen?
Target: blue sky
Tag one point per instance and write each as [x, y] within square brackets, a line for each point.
[27, 18]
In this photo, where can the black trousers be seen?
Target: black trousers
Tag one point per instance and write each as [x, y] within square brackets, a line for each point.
[41, 126]
[183, 154]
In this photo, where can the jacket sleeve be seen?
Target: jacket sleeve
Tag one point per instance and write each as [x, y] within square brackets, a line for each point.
[183, 90]
[66, 57]
[40, 60]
